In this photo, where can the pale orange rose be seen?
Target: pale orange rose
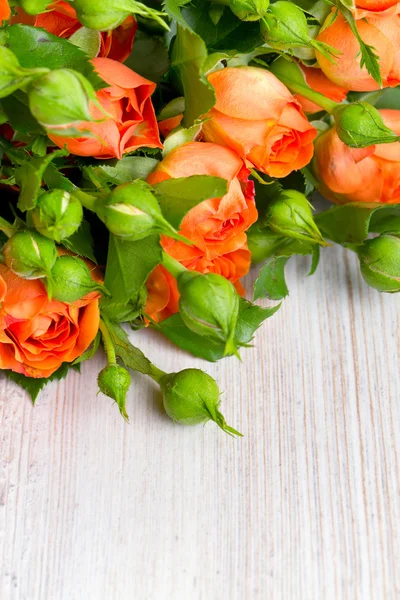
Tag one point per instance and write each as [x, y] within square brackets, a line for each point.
[218, 225]
[37, 335]
[317, 80]
[257, 116]
[380, 31]
[60, 19]
[4, 10]
[369, 174]
[132, 123]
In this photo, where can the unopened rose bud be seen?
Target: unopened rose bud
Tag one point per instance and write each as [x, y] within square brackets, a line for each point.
[192, 397]
[33, 7]
[30, 255]
[262, 243]
[360, 124]
[209, 306]
[57, 215]
[114, 381]
[12, 75]
[70, 279]
[60, 99]
[104, 15]
[380, 263]
[285, 27]
[132, 212]
[290, 215]
[249, 10]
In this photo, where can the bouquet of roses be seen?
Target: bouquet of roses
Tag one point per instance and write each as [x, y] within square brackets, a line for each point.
[149, 153]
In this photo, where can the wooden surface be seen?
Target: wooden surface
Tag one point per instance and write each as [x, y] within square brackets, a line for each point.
[305, 506]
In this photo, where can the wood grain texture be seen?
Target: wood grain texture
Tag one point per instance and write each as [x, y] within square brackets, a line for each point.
[305, 506]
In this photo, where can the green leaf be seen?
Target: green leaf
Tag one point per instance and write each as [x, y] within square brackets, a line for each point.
[132, 357]
[188, 57]
[315, 260]
[90, 352]
[34, 386]
[150, 58]
[19, 115]
[125, 170]
[81, 242]
[87, 40]
[30, 176]
[249, 320]
[369, 57]
[348, 223]
[386, 219]
[271, 281]
[177, 196]
[128, 266]
[35, 47]
[180, 136]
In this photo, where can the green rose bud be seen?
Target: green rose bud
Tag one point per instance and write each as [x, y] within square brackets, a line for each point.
[262, 243]
[57, 215]
[380, 263]
[290, 215]
[34, 7]
[285, 27]
[132, 212]
[61, 99]
[192, 397]
[12, 75]
[114, 381]
[359, 124]
[249, 10]
[209, 306]
[70, 279]
[104, 15]
[30, 255]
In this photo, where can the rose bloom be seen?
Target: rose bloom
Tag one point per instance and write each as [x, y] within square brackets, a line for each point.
[132, 123]
[369, 174]
[317, 80]
[375, 5]
[257, 116]
[4, 10]
[381, 32]
[37, 335]
[216, 226]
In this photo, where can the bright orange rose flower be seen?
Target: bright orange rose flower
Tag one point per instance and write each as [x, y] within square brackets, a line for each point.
[4, 10]
[380, 31]
[257, 116]
[60, 19]
[37, 335]
[316, 79]
[369, 174]
[133, 123]
[216, 226]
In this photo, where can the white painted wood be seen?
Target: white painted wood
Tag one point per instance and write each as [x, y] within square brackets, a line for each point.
[305, 506]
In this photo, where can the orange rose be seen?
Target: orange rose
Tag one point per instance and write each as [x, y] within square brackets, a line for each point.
[369, 174]
[316, 80]
[37, 335]
[216, 226]
[133, 123]
[380, 31]
[4, 10]
[60, 19]
[257, 116]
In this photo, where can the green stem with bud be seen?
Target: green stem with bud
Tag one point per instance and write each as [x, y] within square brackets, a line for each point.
[328, 105]
[108, 344]
[87, 200]
[172, 265]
